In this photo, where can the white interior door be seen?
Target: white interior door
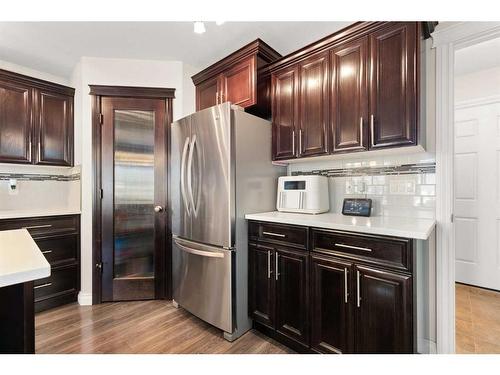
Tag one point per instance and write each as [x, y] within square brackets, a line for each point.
[477, 195]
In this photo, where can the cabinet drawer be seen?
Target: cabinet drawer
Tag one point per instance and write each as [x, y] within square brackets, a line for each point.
[61, 280]
[43, 226]
[278, 233]
[59, 249]
[386, 251]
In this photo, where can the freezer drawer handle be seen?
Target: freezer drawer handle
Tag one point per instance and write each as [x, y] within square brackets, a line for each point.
[352, 247]
[274, 234]
[199, 252]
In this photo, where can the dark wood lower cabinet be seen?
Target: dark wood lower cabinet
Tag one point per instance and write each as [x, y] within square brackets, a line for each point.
[383, 311]
[323, 300]
[331, 321]
[292, 294]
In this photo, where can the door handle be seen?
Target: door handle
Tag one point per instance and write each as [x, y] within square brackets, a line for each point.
[300, 142]
[372, 131]
[357, 289]
[190, 177]
[268, 264]
[183, 176]
[209, 254]
[361, 131]
[158, 208]
[277, 274]
[346, 288]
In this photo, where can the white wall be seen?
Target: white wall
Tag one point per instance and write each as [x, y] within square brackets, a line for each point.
[119, 72]
[480, 84]
[34, 73]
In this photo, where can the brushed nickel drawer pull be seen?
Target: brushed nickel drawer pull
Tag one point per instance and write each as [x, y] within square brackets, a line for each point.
[274, 234]
[42, 286]
[352, 247]
[38, 226]
[346, 293]
[46, 252]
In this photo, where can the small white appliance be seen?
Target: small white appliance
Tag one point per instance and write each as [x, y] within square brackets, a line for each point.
[303, 194]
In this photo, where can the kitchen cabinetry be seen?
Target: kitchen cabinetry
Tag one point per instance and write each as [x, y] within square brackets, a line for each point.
[36, 121]
[339, 293]
[238, 78]
[58, 238]
[357, 90]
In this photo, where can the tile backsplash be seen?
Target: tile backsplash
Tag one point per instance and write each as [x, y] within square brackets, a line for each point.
[398, 186]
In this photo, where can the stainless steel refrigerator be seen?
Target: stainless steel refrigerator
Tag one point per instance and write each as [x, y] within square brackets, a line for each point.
[221, 170]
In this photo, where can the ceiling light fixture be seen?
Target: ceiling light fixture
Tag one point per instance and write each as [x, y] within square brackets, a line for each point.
[199, 27]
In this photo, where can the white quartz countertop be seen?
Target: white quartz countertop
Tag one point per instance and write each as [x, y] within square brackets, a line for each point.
[16, 214]
[388, 226]
[20, 258]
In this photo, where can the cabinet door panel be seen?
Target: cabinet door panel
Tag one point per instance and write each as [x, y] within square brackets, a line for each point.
[393, 85]
[349, 96]
[292, 294]
[54, 129]
[384, 320]
[261, 284]
[284, 108]
[313, 106]
[207, 93]
[238, 85]
[330, 305]
[16, 123]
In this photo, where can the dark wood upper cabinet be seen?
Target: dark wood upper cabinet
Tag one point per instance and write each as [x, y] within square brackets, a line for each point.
[241, 79]
[330, 305]
[261, 284]
[313, 106]
[16, 121]
[36, 121]
[54, 130]
[238, 83]
[292, 294]
[393, 85]
[384, 321]
[207, 93]
[284, 110]
[364, 98]
[349, 104]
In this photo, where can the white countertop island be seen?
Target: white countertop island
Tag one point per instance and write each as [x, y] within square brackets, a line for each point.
[20, 258]
[406, 227]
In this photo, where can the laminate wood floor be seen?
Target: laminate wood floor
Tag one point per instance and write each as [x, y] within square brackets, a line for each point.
[477, 323]
[138, 327]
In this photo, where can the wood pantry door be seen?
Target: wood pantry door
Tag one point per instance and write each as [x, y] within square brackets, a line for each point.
[134, 175]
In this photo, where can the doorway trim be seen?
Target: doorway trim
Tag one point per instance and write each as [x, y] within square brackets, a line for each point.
[98, 92]
[448, 38]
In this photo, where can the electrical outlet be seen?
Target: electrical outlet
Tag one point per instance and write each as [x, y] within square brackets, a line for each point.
[13, 187]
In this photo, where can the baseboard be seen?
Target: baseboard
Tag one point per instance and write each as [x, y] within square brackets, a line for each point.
[84, 299]
[426, 346]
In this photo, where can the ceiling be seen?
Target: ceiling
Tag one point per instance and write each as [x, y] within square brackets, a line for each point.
[478, 57]
[56, 47]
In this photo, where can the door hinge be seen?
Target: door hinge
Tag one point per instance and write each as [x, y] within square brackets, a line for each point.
[99, 266]
[101, 118]
[102, 193]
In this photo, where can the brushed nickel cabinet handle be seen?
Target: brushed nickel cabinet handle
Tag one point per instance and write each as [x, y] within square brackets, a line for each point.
[274, 234]
[361, 131]
[46, 252]
[346, 293]
[352, 247]
[38, 226]
[42, 286]
[293, 142]
[357, 288]
[300, 142]
[372, 131]
[268, 264]
[277, 274]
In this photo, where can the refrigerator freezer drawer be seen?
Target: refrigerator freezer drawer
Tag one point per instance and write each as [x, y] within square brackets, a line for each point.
[202, 281]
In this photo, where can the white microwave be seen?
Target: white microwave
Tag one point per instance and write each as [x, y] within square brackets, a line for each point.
[303, 194]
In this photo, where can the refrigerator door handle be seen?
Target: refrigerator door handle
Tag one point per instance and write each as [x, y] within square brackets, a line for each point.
[183, 176]
[194, 205]
[191, 250]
